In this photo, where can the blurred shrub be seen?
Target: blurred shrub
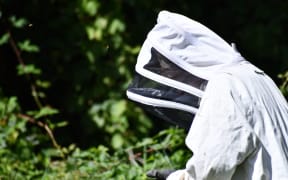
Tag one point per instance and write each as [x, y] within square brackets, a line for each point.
[165, 150]
[73, 61]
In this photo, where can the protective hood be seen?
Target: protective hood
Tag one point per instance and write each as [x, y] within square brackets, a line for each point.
[175, 63]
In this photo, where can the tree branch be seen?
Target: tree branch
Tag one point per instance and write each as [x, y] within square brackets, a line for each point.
[34, 91]
[42, 125]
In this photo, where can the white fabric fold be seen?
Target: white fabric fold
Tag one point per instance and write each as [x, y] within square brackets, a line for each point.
[240, 130]
[191, 45]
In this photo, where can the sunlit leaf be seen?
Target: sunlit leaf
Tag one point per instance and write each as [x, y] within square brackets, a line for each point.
[43, 84]
[28, 47]
[12, 104]
[18, 23]
[101, 23]
[117, 141]
[90, 7]
[4, 38]
[118, 108]
[28, 69]
[59, 124]
[116, 26]
[46, 111]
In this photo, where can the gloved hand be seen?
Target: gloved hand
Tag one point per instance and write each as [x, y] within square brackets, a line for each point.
[159, 174]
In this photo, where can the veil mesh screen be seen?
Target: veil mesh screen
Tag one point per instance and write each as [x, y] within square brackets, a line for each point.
[159, 64]
[148, 88]
[177, 117]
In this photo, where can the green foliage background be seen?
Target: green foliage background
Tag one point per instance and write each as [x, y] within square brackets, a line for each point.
[64, 69]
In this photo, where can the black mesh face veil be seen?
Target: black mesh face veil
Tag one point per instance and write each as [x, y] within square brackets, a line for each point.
[164, 100]
[177, 117]
[152, 89]
[161, 65]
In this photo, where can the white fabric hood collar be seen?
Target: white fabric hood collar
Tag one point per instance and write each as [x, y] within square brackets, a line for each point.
[189, 44]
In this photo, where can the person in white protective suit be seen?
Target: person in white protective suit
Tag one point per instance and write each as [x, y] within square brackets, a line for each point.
[236, 116]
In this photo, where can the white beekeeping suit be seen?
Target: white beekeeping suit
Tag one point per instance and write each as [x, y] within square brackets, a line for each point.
[186, 73]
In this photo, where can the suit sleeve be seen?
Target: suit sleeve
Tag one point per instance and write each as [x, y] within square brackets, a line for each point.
[220, 136]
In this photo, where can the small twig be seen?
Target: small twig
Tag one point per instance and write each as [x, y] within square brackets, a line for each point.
[34, 91]
[42, 125]
[35, 95]
[133, 158]
[15, 49]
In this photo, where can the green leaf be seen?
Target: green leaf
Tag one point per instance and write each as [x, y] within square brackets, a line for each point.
[116, 26]
[43, 84]
[46, 111]
[118, 108]
[94, 33]
[18, 23]
[27, 46]
[4, 39]
[90, 7]
[28, 69]
[117, 141]
[101, 23]
[132, 49]
[12, 104]
[61, 124]
[58, 124]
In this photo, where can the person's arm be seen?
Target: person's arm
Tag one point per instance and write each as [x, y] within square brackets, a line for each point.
[220, 136]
